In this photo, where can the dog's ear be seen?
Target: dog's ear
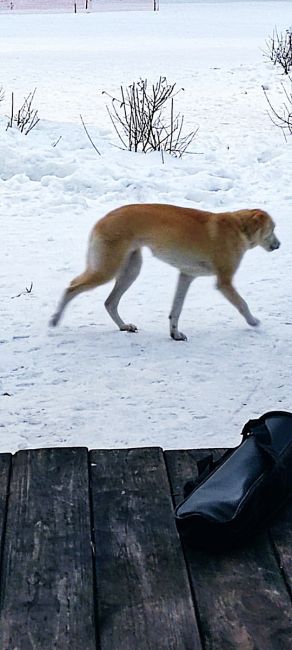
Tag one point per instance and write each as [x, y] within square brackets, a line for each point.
[253, 222]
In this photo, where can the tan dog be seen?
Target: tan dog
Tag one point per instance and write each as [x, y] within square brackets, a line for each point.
[196, 242]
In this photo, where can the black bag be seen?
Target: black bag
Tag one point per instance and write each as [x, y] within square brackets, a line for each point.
[243, 489]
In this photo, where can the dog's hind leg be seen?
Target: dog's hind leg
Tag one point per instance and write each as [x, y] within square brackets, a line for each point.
[183, 284]
[105, 259]
[228, 290]
[84, 282]
[126, 277]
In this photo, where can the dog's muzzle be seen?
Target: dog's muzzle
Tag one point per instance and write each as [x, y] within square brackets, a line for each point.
[274, 245]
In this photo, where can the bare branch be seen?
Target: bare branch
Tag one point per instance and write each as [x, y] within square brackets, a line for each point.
[89, 137]
[282, 119]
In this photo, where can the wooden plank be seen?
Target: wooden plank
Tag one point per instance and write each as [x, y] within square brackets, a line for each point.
[281, 533]
[144, 597]
[47, 588]
[241, 597]
[5, 467]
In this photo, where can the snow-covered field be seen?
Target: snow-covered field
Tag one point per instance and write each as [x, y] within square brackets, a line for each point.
[86, 383]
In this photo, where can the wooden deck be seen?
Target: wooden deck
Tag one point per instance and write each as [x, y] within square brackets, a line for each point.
[91, 559]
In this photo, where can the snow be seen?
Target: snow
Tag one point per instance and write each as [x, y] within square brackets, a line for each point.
[85, 383]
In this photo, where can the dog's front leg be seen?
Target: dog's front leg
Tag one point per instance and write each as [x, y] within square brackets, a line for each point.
[183, 284]
[228, 290]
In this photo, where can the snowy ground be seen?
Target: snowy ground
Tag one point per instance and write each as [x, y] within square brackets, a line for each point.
[86, 383]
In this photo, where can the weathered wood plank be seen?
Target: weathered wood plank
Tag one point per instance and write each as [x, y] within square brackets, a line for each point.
[281, 533]
[241, 597]
[5, 466]
[47, 587]
[144, 597]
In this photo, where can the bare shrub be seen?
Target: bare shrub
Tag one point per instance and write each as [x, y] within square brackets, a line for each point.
[282, 116]
[140, 121]
[26, 117]
[279, 49]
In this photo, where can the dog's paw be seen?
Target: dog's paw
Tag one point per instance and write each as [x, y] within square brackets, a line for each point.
[128, 327]
[179, 336]
[254, 322]
[54, 320]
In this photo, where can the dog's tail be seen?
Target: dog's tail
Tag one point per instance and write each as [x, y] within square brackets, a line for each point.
[84, 282]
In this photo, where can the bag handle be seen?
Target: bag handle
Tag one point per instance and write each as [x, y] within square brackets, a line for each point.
[205, 467]
[260, 432]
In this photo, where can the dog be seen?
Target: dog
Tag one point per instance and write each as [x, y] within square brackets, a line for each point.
[197, 242]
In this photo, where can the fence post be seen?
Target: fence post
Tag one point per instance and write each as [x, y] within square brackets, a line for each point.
[156, 5]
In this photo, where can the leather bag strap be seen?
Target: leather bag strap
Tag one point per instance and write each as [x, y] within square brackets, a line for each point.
[259, 430]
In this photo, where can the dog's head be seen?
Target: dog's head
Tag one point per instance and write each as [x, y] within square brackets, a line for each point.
[259, 228]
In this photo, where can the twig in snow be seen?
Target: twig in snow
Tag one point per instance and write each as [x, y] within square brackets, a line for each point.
[24, 293]
[10, 123]
[89, 137]
[54, 144]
